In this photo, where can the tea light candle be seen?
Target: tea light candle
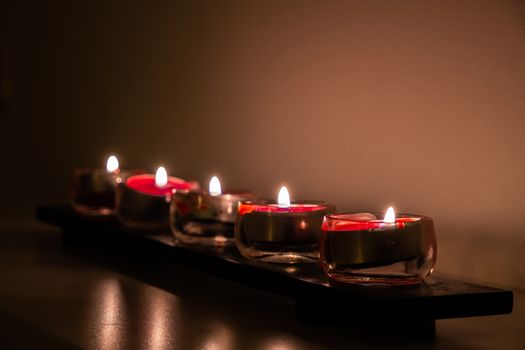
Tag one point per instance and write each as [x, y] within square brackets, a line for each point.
[199, 217]
[143, 200]
[359, 248]
[282, 232]
[92, 191]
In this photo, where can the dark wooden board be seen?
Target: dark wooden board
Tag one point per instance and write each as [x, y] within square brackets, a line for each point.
[315, 298]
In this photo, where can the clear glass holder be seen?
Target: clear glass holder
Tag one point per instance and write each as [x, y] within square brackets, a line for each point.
[265, 232]
[93, 191]
[202, 218]
[355, 249]
[142, 211]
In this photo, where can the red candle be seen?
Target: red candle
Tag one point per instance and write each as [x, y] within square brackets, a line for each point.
[143, 200]
[146, 184]
[281, 232]
[360, 248]
[364, 221]
[275, 208]
[283, 205]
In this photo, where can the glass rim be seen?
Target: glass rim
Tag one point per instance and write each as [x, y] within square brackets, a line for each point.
[226, 192]
[265, 201]
[379, 216]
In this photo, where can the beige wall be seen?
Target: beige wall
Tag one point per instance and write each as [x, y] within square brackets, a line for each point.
[417, 104]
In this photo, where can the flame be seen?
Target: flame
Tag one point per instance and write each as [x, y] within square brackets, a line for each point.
[215, 186]
[390, 216]
[112, 164]
[283, 200]
[161, 177]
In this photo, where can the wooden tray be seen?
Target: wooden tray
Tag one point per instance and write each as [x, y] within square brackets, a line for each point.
[314, 297]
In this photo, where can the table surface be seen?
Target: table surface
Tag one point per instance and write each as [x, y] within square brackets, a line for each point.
[57, 296]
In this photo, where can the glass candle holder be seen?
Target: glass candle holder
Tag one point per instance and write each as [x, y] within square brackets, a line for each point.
[272, 233]
[359, 248]
[203, 218]
[141, 204]
[92, 191]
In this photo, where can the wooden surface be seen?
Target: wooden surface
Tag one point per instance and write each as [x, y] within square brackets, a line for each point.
[315, 298]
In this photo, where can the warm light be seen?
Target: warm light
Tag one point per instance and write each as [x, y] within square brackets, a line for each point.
[161, 177]
[112, 164]
[283, 200]
[390, 216]
[215, 186]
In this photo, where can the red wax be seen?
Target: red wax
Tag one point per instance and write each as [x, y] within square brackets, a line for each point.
[352, 223]
[275, 208]
[145, 183]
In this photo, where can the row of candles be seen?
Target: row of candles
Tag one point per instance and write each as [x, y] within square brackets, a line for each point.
[352, 247]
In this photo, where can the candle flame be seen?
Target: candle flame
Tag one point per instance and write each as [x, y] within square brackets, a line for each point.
[112, 164]
[215, 186]
[283, 200]
[161, 177]
[390, 216]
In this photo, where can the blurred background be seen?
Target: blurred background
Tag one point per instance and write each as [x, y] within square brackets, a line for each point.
[367, 104]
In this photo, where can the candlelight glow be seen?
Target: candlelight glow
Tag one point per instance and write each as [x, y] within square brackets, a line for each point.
[283, 200]
[215, 186]
[161, 177]
[112, 164]
[390, 216]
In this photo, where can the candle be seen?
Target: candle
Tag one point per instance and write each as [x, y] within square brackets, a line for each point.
[143, 200]
[199, 217]
[282, 231]
[360, 248]
[92, 191]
